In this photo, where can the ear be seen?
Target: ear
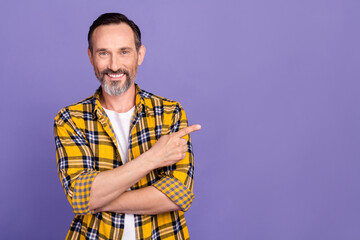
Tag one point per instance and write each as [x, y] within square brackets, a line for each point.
[141, 54]
[90, 56]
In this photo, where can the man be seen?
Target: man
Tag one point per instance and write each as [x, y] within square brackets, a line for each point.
[124, 155]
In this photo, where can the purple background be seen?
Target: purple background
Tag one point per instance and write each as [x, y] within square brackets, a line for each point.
[275, 85]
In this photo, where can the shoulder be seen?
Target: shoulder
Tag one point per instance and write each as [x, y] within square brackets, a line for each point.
[159, 105]
[81, 109]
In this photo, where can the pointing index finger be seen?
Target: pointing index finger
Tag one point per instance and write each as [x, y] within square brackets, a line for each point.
[185, 131]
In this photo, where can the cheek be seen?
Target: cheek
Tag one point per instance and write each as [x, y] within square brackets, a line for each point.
[134, 64]
[99, 66]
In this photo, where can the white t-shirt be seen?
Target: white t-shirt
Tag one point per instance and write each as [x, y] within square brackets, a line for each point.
[121, 125]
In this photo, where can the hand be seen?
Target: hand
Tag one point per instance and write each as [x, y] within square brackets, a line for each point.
[170, 149]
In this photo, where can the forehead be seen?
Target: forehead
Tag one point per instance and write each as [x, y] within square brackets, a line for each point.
[113, 36]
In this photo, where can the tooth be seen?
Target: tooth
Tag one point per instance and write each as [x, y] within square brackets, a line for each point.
[116, 75]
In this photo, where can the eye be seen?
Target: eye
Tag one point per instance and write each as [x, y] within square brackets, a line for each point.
[124, 52]
[103, 53]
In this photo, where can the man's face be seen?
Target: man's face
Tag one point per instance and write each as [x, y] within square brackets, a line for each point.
[115, 58]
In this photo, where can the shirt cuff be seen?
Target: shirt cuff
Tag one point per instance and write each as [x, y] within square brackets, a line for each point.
[81, 196]
[176, 191]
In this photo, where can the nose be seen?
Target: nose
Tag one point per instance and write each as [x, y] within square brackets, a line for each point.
[114, 63]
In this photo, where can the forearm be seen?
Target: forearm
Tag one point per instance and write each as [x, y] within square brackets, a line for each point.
[168, 150]
[108, 185]
[148, 201]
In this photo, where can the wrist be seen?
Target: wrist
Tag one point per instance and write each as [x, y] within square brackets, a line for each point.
[147, 162]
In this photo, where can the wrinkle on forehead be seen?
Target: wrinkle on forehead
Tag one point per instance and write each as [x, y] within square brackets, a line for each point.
[113, 36]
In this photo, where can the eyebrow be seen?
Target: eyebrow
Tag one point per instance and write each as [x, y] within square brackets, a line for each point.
[101, 50]
[125, 48]
[121, 49]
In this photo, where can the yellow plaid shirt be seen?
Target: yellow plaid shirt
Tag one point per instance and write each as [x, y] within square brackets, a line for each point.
[86, 145]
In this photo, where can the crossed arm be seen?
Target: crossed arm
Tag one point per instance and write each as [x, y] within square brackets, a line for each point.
[107, 190]
[148, 200]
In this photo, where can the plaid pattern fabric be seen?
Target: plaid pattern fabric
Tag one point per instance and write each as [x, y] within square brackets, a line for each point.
[86, 145]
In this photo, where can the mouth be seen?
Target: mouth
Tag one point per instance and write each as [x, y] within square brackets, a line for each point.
[115, 77]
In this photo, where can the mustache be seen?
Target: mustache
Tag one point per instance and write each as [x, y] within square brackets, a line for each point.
[119, 71]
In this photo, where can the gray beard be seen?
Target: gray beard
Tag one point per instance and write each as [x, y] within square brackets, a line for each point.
[113, 90]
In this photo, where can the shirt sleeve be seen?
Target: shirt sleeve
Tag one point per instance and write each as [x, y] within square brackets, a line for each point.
[74, 162]
[176, 181]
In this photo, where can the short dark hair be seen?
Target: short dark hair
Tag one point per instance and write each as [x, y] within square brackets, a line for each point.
[115, 18]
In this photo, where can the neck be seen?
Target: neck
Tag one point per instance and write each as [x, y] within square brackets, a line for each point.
[120, 104]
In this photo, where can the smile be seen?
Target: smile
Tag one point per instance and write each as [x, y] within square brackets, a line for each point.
[115, 76]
